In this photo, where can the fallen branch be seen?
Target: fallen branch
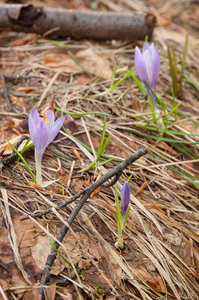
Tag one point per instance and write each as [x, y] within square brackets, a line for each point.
[76, 24]
[86, 194]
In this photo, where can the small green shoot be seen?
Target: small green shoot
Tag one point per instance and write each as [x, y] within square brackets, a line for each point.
[112, 87]
[146, 39]
[183, 63]
[26, 146]
[174, 103]
[88, 148]
[113, 76]
[23, 160]
[139, 83]
[101, 149]
[62, 188]
[173, 68]
[172, 64]
[58, 43]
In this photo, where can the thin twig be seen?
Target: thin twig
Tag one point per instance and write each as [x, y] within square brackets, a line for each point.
[5, 93]
[117, 171]
[113, 181]
[18, 77]
[87, 192]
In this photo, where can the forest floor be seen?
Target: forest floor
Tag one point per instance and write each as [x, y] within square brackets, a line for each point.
[161, 255]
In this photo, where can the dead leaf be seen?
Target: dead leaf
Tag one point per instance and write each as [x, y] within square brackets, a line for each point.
[95, 64]
[166, 147]
[61, 62]
[92, 62]
[84, 264]
[161, 283]
[27, 90]
[35, 185]
[24, 41]
[83, 79]
[153, 285]
[142, 187]
[40, 253]
[158, 208]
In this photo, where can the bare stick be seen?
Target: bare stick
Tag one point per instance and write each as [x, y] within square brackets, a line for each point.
[18, 77]
[87, 192]
[76, 24]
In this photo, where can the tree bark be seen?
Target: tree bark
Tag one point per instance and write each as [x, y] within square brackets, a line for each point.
[76, 24]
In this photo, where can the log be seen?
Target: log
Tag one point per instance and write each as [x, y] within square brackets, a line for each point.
[76, 24]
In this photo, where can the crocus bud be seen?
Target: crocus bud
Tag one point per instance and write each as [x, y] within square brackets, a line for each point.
[147, 64]
[125, 199]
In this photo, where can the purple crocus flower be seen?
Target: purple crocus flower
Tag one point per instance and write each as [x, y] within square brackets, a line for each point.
[125, 199]
[43, 130]
[147, 64]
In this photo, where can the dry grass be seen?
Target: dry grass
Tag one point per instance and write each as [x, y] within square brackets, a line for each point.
[161, 257]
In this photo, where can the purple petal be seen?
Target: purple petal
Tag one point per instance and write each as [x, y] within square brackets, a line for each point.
[145, 47]
[41, 138]
[149, 67]
[156, 64]
[54, 131]
[125, 199]
[31, 126]
[151, 48]
[50, 118]
[139, 64]
[35, 116]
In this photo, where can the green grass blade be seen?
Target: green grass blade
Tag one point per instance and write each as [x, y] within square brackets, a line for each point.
[188, 80]
[26, 146]
[88, 148]
[113, 76]
[106, 143]
[173, 73]
[99, 152]
[174, 103]
[82, 114]
[23, 160]
[139, 83]
[161, 138]
[174, 109]
[58, 43]
[126, 217]
[183, 62]
[157, 98]
[80, 65]
[121, 80]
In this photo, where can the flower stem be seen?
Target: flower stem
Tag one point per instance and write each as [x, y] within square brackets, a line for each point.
[38, 169]
[120, 239]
